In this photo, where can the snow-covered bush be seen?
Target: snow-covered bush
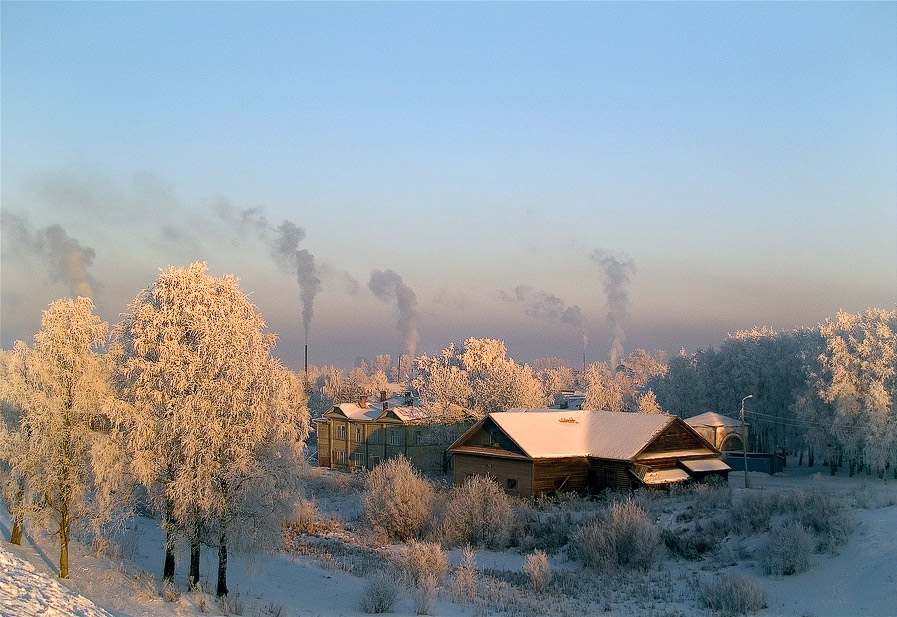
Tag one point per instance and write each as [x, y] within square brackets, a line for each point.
[419, 560]
[424, 595]
[538, 570]
[465, 583]
[787, 550]
[829, 517]
[479, 513]
[620, 537]
[397, 499]
[379, 595]
[753, 513]
[548, 531]
[732, 595]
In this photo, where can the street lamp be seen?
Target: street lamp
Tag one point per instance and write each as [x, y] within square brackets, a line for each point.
[744, 440]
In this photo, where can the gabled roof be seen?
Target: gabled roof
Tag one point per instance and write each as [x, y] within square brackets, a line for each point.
[374, 412]
[712, 419]
[353, 411]
[548, 433]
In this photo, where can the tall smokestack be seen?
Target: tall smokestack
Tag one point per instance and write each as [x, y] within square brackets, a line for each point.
[306, 361]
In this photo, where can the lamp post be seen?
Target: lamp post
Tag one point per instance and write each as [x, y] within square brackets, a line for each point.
[744, 440]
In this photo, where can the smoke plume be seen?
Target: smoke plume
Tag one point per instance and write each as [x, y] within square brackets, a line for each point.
[387, 285]
[285, 251]
[616, 273]
[283, 243]
[548, 307]
[68, 261]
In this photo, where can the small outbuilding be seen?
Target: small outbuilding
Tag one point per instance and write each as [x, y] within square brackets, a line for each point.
[542, 451]
[725, 433]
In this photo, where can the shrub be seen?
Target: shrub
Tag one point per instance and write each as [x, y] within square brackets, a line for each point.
[620, 537]
[826, 515]
[421, 560]
[424, 595]
[478, 512]
[465, 589]
[379, 595]
[397, 499]
[754, 511]
[787, 550]
[732, 595]
[547, 531]
[538, 570]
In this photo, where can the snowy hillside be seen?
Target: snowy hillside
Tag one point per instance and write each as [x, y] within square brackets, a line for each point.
[24, 592]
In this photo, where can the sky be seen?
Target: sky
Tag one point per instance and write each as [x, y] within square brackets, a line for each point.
[624, 175]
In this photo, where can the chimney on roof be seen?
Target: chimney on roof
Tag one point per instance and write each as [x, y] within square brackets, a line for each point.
[385, 405]
[382, 396]
[363, 401]
[409, 399]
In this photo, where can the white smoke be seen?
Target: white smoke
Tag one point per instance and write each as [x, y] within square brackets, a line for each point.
[616, 271]
[388, 286]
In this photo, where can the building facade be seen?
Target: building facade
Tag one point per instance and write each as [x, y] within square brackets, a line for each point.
[361, 435]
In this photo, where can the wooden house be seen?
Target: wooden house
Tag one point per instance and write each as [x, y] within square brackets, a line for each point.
[541, 451]
[361, 435]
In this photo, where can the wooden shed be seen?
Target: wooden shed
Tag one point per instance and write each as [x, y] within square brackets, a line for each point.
[541, 451]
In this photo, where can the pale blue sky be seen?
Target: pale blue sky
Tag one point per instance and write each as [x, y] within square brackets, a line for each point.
[743, 155]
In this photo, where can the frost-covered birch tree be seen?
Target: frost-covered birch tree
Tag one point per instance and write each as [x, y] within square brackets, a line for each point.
[859, 377]
[58, 385]
[217, 424]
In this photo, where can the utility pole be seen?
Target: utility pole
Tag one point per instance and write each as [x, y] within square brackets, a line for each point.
[744, 440]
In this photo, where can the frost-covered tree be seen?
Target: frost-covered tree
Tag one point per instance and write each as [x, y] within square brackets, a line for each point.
[59, 385]
[647, 403]
[497, 381]
[859, 377]
[620, 388]
[443, 385]
[215, 425]
[556, 379]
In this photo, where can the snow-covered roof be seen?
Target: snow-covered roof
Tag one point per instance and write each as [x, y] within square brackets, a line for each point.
[705, 464]
[355, 412]
[374, 411]
[548, 433]
[712, 419]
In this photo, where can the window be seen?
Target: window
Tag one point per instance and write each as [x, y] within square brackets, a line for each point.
[340, 457]
[417, 438]
[394, 437]
[359, 459]
[511, 484]
[375, 460]
[342, 432]
[358, 432]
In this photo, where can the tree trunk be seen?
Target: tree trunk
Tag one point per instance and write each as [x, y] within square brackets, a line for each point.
[194, 563]
[64, 542]
[811, 458]
[221, 590]
[18, 519]
[168, 522]
[16, 536]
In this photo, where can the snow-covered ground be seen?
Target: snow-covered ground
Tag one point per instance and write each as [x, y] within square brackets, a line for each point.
[861, 579]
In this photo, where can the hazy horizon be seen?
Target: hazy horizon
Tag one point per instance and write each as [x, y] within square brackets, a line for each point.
[736, 162]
